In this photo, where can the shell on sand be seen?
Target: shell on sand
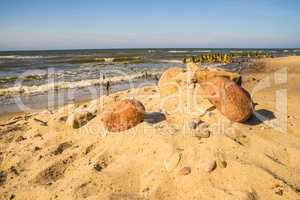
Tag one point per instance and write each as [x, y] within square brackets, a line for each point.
[208, 165]
[172, 162]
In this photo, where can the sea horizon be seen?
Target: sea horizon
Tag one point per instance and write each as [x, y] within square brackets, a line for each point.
[141, 48]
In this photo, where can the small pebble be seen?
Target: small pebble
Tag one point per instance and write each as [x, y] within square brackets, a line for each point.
[14, 170]
[37, 148]
[185, 171]
[3, 177]
[208, 165]
[209, 114]
[195, 123]
[98, 167]
[203, 133]
[20, 138]
[279, 192]
[221, 163]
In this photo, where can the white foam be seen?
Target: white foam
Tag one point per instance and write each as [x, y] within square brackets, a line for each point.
[233, 51]
[202, 51]
[28, 90]
[171, 61]
[20, 57]
[173, 51]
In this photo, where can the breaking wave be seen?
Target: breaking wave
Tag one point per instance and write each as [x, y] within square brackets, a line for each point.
[201, 51]
[173, 51]
[20, 57]
[24, 78]
[38, 89]
[171, 61]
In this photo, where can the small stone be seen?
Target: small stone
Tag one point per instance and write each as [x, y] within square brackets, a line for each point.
[63, 146]
[37, 148]
[185, 171]
[14, 170]
[208, 165]
[279, 192]
[195, 123]
[20, 138]
[3, 177]
[146, 189]
[221, 163]
[63, 118]
[203, 133]
[98, 167]
[209, 114]
[172, 162]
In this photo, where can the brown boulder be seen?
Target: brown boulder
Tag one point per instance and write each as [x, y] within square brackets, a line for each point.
[168, 82]
[123, 115]
[229, 98]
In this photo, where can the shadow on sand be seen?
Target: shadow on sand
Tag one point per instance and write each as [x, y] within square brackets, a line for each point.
[154, 117]
[260, 116]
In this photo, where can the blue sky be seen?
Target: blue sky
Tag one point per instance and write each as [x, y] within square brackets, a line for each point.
[72, 24]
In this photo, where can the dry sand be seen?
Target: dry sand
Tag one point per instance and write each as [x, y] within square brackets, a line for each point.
[42, 158]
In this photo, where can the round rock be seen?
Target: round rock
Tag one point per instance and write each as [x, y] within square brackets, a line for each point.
[229, 98]
[122, 115]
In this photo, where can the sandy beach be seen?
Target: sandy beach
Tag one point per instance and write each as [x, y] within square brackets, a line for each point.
[41, 157]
